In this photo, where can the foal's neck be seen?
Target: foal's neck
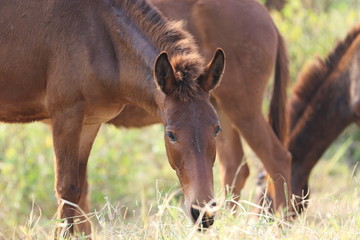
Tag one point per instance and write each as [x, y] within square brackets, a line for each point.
[140, 33]
[137, 57]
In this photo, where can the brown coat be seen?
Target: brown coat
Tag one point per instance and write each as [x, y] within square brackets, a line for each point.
[76, 65]
[254, 47]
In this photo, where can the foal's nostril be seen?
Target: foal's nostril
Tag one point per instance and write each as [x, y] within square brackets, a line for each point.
[206, 221]
[195, 213]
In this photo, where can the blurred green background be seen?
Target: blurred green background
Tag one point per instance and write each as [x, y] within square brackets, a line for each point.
[130, 166]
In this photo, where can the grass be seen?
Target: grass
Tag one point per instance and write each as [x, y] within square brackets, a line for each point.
[151, 208]
[135, 193]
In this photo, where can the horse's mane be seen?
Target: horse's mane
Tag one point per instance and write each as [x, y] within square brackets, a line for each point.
[314, 75]
[171, 37]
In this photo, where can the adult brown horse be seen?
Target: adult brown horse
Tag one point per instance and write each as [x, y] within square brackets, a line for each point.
[326, 99]
[245, 30]
[76, 65]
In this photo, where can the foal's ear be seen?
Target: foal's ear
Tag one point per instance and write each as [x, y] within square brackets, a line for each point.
[164, 74]
[213, 72]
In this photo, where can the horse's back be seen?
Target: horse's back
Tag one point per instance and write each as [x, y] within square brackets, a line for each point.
[231, 24]
[246, 32]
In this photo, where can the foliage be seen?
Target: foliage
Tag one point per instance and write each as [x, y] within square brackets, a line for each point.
[309, 32]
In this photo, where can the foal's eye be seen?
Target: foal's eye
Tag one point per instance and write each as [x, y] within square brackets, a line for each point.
[217, 130]
[171, 136]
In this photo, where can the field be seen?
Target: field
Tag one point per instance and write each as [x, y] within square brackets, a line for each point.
[136, 195]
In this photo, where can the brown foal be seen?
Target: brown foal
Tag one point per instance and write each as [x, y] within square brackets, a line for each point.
[76, 65]
[245, 30]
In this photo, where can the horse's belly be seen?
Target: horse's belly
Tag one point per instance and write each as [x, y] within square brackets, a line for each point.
[19, 112]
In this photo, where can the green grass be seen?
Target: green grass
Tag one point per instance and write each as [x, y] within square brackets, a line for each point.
[135, 193]
[310, 32]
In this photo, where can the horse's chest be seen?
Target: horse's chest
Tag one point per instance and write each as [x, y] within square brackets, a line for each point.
[98, 113]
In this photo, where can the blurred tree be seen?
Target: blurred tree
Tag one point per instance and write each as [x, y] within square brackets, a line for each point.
[275, 4]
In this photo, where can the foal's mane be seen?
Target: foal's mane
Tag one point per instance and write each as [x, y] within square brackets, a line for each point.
[171, 37]
[315, 74]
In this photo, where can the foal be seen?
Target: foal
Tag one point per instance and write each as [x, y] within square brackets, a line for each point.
[326, 99]
[245, 30]
[76, 65]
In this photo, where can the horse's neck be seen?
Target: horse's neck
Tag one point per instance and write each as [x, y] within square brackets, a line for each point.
[138, 87]
[136, 56]
[329, 112]
[323, 120]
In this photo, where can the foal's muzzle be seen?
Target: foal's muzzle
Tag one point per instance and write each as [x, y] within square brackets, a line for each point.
[207, 216]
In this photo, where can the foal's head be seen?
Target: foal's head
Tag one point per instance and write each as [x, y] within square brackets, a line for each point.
[191, 127]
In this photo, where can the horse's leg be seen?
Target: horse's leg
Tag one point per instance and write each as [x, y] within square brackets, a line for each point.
[262, 197]
[230, 154]
[66, 129]
[275, 158]
[242, 102]
[88, 135]
[83, 226]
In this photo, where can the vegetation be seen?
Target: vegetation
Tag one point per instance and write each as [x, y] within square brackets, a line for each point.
[135, 193]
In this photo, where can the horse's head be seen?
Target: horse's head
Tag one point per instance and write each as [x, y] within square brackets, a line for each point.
[300, 184]
[191, 127]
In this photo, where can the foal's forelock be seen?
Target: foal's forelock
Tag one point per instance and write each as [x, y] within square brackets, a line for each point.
[315, 74]
[148, 33]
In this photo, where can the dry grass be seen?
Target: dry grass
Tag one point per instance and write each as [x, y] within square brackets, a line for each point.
[333, 213]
